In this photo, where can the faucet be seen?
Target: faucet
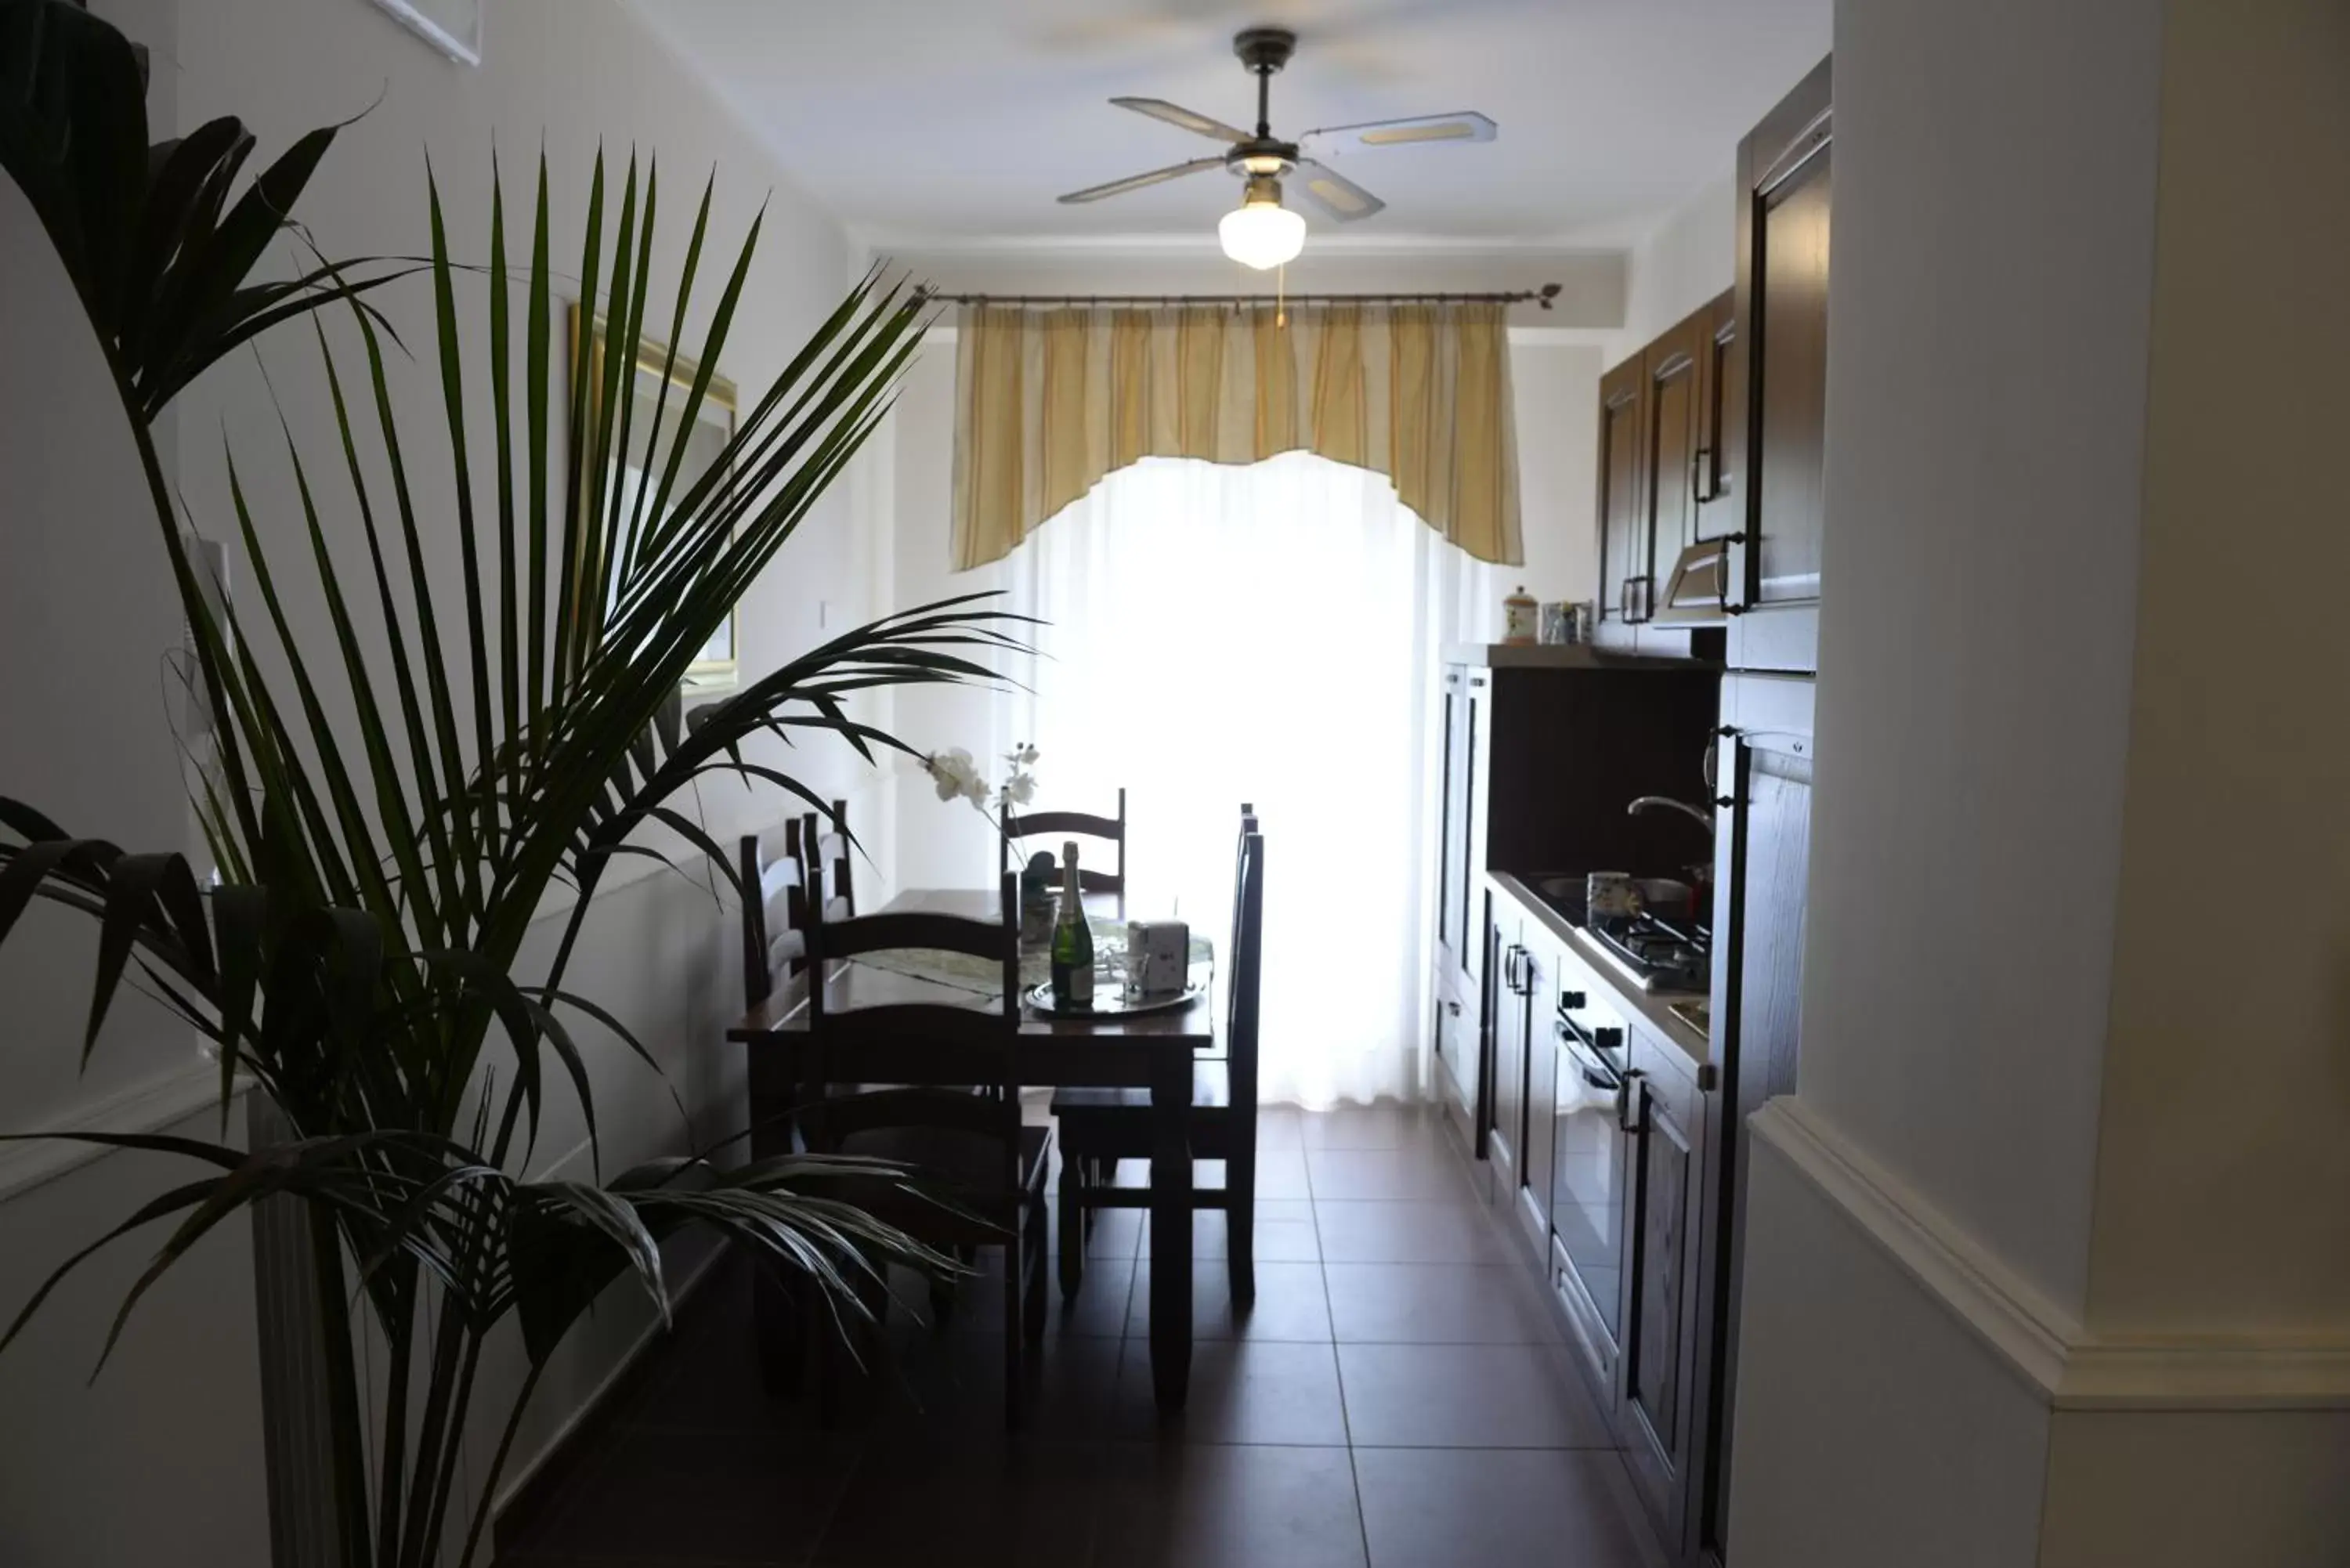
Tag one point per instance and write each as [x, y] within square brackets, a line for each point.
[1698, 814]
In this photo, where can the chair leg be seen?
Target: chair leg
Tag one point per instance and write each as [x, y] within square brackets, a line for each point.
[1015, 1339]
[1032, 1269]
[1240, 1225]
[849, 1356]
[780, 1322]
[1074, 1218]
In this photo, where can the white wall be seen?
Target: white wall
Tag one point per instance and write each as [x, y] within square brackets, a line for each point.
[2058, 678]
[1974, 664]
[1687, 259]
[2235, 752]
[1972, 713]
[1878, 1432]
[87, 614]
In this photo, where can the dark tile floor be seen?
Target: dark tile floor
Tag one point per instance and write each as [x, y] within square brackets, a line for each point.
[1397, 1397]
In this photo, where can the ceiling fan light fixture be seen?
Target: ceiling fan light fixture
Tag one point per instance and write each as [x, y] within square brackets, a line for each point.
[1261, 233]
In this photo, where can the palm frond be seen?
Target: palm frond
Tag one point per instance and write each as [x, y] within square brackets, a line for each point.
[391, 803]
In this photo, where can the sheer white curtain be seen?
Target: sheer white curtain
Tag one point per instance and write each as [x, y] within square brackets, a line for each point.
[1268, 634]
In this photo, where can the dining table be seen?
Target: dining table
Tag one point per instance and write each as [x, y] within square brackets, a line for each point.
[1153, 1050]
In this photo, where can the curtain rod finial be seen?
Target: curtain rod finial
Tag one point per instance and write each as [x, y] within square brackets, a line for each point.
[1549, 293]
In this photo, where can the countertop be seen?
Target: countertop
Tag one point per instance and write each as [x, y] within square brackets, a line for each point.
[1655, 1010]
[1556, 655]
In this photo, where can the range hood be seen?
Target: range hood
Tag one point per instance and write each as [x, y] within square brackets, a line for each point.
[1698, 592]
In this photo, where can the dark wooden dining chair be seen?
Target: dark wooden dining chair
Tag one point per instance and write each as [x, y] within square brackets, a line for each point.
[1101, 1127]
[773, 873]
[831, 854]
[1052, 825]
[983, 1171]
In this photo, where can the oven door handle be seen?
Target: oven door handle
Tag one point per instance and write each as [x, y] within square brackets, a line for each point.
[1594, 1068]
[1628, 1093]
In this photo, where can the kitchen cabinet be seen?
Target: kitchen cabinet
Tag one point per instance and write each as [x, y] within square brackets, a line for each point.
[1467, 749]
[1784, 189]
[1527, 965]
[1524, 782]
[1664, 418]
[1539, 979]
[1509, 1016]
[1722, 406]
[1673, 370]
[1762, 851]
[1603, 1152]
[1590, 1169]
[1665, 1154]
[1460, 847]
[1625, 554]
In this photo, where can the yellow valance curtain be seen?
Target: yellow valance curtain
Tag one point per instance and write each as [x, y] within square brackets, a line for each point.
[1049, 402]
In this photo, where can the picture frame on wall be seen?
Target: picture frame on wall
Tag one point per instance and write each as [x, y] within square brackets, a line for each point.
[655, 371]
[452, 26]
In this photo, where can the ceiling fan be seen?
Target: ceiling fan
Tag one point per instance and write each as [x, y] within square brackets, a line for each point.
[1261, 233]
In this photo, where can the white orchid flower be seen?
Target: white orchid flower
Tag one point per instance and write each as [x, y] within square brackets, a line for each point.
[1020, 789]
[952, 771]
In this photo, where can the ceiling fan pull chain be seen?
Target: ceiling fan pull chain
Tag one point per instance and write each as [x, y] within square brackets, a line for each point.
[1281, 296]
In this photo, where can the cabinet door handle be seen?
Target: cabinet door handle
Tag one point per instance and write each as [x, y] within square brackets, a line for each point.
[1454, 1008]
[1627, 1092]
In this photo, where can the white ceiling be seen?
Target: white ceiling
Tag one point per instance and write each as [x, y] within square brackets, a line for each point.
[947, 122]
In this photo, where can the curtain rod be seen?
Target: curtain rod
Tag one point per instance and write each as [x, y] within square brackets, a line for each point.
[1542, 296]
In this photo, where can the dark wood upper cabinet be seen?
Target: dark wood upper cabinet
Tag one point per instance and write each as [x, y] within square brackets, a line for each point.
[1722, 404]
[1624, 546]
[1785, 186]
[1673, 371]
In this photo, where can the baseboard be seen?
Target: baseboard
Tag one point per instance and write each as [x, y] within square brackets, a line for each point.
[2072, 1368]
[160, 1102]
[527, 1490]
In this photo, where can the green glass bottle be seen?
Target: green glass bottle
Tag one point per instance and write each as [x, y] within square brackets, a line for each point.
[1073, 942]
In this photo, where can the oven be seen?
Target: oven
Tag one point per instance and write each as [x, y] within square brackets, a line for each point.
[1589, 1172]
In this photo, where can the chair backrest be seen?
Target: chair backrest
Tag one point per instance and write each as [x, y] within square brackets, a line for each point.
[1248, 825]
[1110, 830]
[957, 1045]
[830, 941]
[774, 910]
[831, 853]
[1243, 991]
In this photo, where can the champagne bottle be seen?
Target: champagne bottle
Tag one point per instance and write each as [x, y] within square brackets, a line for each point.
[1073, 941]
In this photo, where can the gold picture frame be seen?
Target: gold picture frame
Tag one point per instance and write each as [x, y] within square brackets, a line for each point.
[718, 665]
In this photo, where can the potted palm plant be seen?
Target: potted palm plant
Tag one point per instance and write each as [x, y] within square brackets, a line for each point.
[354, 955]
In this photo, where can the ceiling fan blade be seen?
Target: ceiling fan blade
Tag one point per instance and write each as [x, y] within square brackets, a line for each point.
[1334, 193]
[1465, 125]
[1176, 114]
[1135, 182]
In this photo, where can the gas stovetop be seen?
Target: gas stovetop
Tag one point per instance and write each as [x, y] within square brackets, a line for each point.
[1657, 953]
